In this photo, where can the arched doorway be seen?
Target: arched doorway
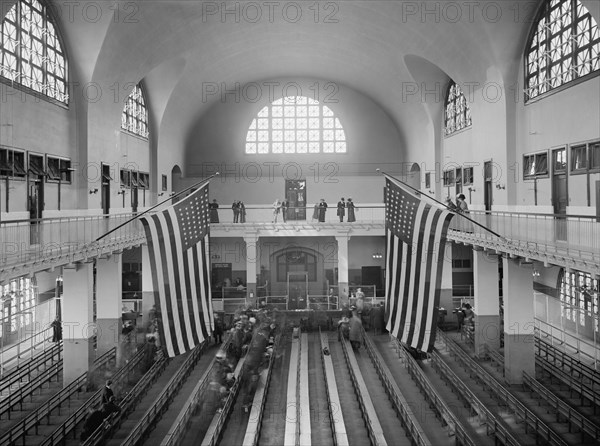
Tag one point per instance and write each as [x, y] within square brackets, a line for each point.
[297, 272]
[413, 176]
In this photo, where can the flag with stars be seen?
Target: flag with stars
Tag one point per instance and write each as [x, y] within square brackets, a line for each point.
[177, 244]
[415, 242]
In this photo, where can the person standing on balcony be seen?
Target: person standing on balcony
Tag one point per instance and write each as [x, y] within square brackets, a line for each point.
[214, 213]
[322, 210]
[462, 208]
[284, 207]
[350, 206]
[242, 208]
[341, 209]
[236, 211]
[56, 330]
[276, 210]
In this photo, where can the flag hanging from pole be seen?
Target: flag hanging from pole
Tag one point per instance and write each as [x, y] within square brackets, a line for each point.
[177, 243]
[415, 241]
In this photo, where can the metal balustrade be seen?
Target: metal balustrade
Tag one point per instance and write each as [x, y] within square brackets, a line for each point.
[436, 401]
[33, 420]
[338, 427]
[70, 424]
[575, 368]
[584, 349]
[50, 239]
[24, 372]
[493, 424]
[409, 421]
[128, 404]
[260, 397]
[502, 394]
[370, 418]
[17, 396]
[179, 426]
[570, 414]
[566, 235]
[161, 403]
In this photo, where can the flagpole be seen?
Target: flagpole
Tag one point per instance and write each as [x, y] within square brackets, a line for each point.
[417, 191]
[155, 206]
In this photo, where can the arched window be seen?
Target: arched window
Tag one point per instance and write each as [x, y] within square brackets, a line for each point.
[458, 113]
[31, 53]
[564, 45]
[135, 114]
[295, 124]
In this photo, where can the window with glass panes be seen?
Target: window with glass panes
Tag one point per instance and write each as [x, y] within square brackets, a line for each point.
[457, 111]
[295, 124]
[564, 45]
[579, 298]
[31, 53]
[135, 114]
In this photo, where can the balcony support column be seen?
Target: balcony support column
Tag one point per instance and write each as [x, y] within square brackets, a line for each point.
[77, 321]
[519, 347]
[486, 302]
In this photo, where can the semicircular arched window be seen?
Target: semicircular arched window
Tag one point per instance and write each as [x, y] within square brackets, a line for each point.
[135, 113]
[564, 45]
[457, 114]
[31, 53]
[295, 124]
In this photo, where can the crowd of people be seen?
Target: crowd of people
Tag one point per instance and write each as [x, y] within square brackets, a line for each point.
[97, 415]
[280, 207]
[343, 206]
[252, 334]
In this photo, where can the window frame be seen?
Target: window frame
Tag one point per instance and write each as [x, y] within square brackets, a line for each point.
[267, 129]
[66, 176]
[467, 176]
[550, 69]
[9, 155]
[535, 155]
[41, 166]
[574, 169]
[164, 183]
[141, 126]
[456, 101]
[58, 51]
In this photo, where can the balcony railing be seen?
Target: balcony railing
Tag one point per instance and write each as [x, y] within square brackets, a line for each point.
[30, 240]
[568, 235]
[39, 239]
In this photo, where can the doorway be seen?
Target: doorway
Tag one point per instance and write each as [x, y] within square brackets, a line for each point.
[560, 197]
[488, 187]
[36, 207]
[105, 189]
[295, 195]
[297, 285]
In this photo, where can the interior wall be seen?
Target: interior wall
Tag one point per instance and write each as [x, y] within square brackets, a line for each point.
[217, 140]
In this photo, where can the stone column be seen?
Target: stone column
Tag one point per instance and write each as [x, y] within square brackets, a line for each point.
[77, 319]
[109, 289]
[251, 261]
[519, 349]
[342, 255]
[486, 301]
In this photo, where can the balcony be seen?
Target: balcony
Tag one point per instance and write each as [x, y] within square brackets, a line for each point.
[28, 246]
[34, 245]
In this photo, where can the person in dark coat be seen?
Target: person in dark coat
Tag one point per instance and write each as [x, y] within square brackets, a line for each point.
[92, 422]
[56, 330]
[341, 209]
[236, 211]
[322, 210]
[218, 331]
[111, 407]
[213, 210]
[355, 330]
[350, 206]
[242, 207]
[107, 393]
[376, 318]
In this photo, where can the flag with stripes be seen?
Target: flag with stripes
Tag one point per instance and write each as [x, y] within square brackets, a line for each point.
[177, 243]
[415, 241]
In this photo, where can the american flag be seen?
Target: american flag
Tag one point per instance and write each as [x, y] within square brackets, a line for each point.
[177, 241]
[415, 242]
